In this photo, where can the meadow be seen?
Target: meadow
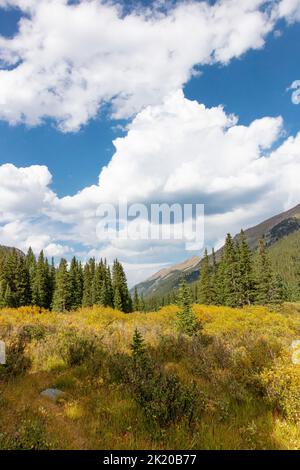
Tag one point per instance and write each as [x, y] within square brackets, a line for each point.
[233, 385]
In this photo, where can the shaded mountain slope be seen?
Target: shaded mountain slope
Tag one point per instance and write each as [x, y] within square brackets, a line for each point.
[273, 230]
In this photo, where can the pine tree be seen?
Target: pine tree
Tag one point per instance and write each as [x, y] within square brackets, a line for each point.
[230, 273]
[142, 303]
[136, 301]
[75, 280]
[22, 283]
[246, 276]
[186, 319]
[9, 276]
[140, 358]
[51, 282]
[87, 286]
[62, 293]
[219, 282]
[117, 299]
[263, 275]
[204, 287]
[214, 279]
[138, 344]
[40, 283]
[31, 266]
[109, 295]
[278, 291]
[9, 297]
[119, 284]
[2, 293]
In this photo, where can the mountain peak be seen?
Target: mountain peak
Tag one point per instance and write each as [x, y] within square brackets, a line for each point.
[272, 230]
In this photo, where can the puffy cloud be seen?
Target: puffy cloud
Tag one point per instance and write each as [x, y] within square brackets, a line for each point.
[56, 249]
[22, 234]
[181, 150]
[295, 86]
[290, 10]
[68, 60]
[23, 191]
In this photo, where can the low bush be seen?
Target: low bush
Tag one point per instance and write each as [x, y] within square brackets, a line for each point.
[17, 362]
[281, 388]
[77, 347]
[35, 332]
[162, 396]
[30, 436]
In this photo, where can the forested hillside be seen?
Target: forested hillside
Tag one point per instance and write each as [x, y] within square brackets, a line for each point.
[285, 257]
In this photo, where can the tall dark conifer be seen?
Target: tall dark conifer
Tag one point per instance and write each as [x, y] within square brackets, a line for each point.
[40, 283]
[62, 293]
[87, 300]
[204, 287]
[120, 287]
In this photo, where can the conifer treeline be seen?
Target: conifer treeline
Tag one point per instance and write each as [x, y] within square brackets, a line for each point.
[27, 281]
[240, 277]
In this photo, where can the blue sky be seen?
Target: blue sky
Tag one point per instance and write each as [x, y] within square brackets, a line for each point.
[250, 87]
[250, 82]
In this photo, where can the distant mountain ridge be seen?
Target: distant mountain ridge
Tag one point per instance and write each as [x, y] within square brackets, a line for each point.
[6, 249]
[272, 230]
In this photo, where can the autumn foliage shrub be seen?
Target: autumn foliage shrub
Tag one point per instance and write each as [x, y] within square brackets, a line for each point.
[281, 388]
[162, 396]
[77, 347]
[17, 361]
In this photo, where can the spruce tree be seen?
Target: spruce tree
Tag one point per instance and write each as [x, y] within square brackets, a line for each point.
[51, 282]
[246, 275]
[204, 288]
[138, 344]
[75, 280]
[117, 299]
[230, 273]
[119, 284]
[214, 279]
[87, 286]
[219, 281]
[136, 301]
[263, 275]
[10, 278]
[22, 283]
[186, 319]
[109, 295]
[9, 297]
[278, 292]
[138, 349]
[40, 283]
[2, 293]
[142, 303]
[31, 266]
[62, 293]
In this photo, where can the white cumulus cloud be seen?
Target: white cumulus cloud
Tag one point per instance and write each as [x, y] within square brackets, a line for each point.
[68, 60]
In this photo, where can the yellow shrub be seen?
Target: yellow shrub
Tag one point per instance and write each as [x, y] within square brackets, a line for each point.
[281, 385]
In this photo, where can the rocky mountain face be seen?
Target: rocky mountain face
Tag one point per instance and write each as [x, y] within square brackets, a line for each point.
[7, 249]
[272, 230]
